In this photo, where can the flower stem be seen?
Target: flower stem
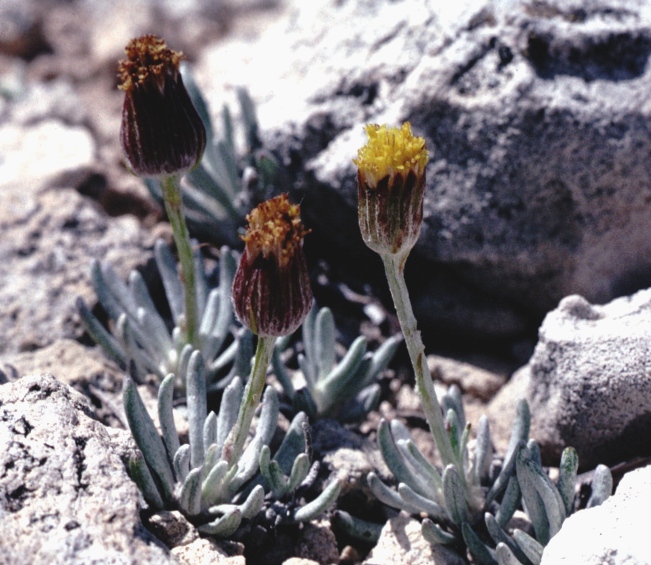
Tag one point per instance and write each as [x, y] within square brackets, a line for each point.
[234, 444]
[174, 208]
[394, 265]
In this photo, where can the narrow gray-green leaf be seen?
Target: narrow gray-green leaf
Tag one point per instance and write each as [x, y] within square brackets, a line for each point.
[146, 436]
[602, 486]
[357, 528]
[166, 416]
[434, 534]
[100, 334]
[397, 463]
[320, 504]
[190, 496]
[508, 470]
[228, 410]
[170, 277]
[282, 375]
[224, 526]
[381, 358]
[181, 462]
[254, 502]
[196, 399]
[483, 451]
[510, 502]
[520, 430]
[422, 465]
[210, 430]
[294, 443]
[505, 555]
[346, 366]
[388, 496]
[454, 495]
[479, 550]
[299, 472]
[211, 488]
[567, 477]
[140, 474]
[536, 500]
[433, 509]
[529, 546]
[500, 536]
[324, 341]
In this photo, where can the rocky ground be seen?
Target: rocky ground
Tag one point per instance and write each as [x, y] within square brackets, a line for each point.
[535, 245]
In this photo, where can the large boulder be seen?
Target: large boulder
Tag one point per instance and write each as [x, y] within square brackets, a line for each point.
[588, 382]
[537, 119]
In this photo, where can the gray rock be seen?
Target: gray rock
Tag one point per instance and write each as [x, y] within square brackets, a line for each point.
[83, 365]
[588, 380]
[536, 117]
[614, 533]
[49, 239]
[65, 496]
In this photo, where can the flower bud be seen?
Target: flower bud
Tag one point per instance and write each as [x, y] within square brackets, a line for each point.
[161, 132]
[391, 188]
[271, 289]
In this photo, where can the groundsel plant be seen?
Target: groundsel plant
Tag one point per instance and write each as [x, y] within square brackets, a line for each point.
[272, 295]
[212, 478]
[141, 335]
[214, 492]
[346, 390]
[463, 497]
[163, 137]
[227, 182]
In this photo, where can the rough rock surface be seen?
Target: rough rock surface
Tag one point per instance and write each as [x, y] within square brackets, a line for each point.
[65, 496]
[588, 383]
[51, 232]
[83, 365]
[614, 533]
[537, 118]
[45, 259]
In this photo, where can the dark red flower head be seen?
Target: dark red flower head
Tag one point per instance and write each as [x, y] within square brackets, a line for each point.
[271, 290]
[161, 132]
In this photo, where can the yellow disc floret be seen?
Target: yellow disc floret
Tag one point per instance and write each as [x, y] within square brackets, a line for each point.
[390, 151]
[275, 230]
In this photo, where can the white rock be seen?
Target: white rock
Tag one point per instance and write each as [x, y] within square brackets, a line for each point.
[65, 496]
[615, 533]
[32, 155]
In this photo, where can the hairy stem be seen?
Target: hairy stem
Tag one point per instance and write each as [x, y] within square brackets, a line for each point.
[394, 266]
[234, 444]
[174, 208]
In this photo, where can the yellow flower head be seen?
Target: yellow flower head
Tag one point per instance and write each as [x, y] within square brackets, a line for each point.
[390, 151]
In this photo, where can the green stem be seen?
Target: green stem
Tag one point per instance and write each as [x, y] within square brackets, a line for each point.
[174, 208]
[394, 266]
[234, 444]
